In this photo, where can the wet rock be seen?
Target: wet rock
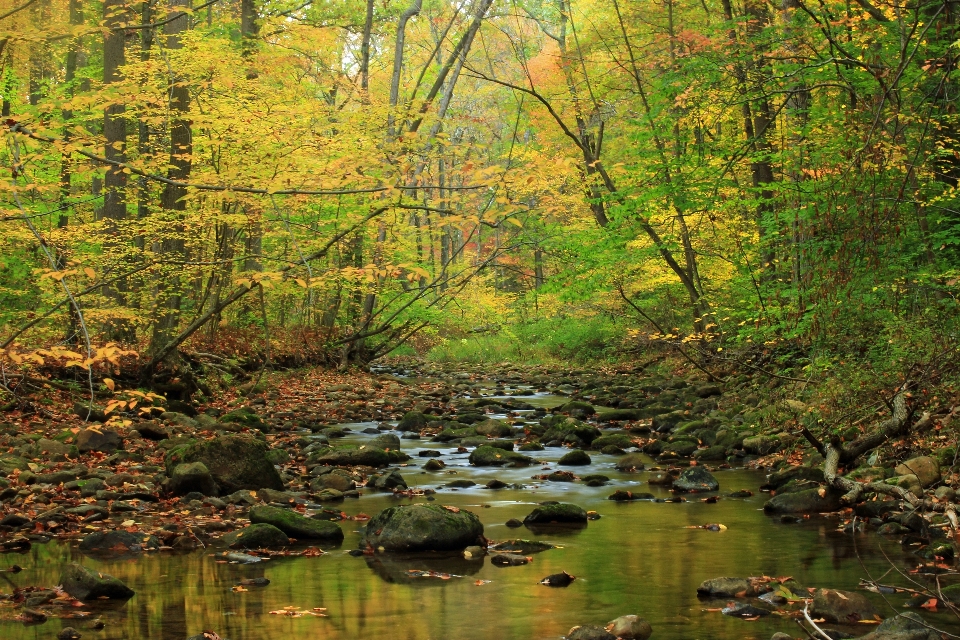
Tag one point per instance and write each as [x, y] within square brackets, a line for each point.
[630, 628]
[335, 480]
[696, 479]
[562, 579]
[295, 525]
[83, 584]
[630, 462]
[626, 496]
[508, 560]
[803, 474]
[433, 464]
[575, 458]
[420, 527]
[726, 588]
[892, 529]
[353, 455]
[620, 415]
[714, 453]
[844, 607]
[660, 479]
[925, 468]
[329, 495]
[807, 501]
[524, 547]
[513, 523]
[14, 520]
[69, 633]
[258, 536]
[487, 456]
[556, 513]
[761, 445]
[570, 431]
[743, 610]
[595, 480]
[386, 441]
[474, 552]
[236, 461]
[118, 542]
[906, 626]
[461, 483]
[577, 409]
[412, 421]
[100, 439]
[531, 446]
[192, 476]
[496, 484]
[589, 632]
[494, 428]
[428, 453]
[387, 481]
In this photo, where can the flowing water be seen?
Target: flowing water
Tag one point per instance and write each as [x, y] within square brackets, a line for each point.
[638, 558]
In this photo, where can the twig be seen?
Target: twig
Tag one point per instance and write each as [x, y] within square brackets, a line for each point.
[806, 616]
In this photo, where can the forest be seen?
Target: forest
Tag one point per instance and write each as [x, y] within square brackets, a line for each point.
[637, 242]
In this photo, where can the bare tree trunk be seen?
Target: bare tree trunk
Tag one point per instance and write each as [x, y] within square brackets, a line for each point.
[114, 127]
[365, 49]
[411, 11]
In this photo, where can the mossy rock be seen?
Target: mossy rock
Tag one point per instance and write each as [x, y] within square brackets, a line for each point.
[531, 446]
[412, 421]
[295, 525]
[246, 417]
[487, 456]
[807, 501]
[556, 513]
[578, 409]
[236, 461]
[449, 435]
[420, 527]
[572, 429]
[576, 457]
[620, 440]
[257, 536]
[495, 428]
[620, 415]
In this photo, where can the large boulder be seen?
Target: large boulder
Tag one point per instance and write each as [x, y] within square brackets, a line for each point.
[118, 542]
[494, 428]
[295, 525]
[236, 461]
[421, 527]
[98, 439]
[556, 513]
[577, 457]
[83, 584]
[349, 455]
[631, 462]
[842, 607]
[761, 445]
[926, 469]
[487, 456]
[386, 441]
[696, 479]
[192, 476]
[257, 536]
[412, 421]
[819, 500]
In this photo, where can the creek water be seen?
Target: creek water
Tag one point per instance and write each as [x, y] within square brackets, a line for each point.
[638, 558]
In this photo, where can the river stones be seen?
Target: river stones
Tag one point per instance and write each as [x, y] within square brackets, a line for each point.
[412, 421]
[236, 461]
[562, 579]
[576, 457]
[388, 480]
[761, 445]
[630, 462]
[726, 588]
[494, 428]
[509, 560]
[349, 455]
[630, 628]
[589, 632]
[620, 415]
[257, 536]
[569, 431]
[295, 525]
[487, 456]
[100, 439]
[906, 626]
[521, 546]
[619, 440]
[626, 496]
[578, 409]
[807, 501]
[556, 513]
[843, 607]
[695, 479]
[386, 441]
[118, 542]
[83, 584]
[743, 610]
[192, 476]
[420, 527]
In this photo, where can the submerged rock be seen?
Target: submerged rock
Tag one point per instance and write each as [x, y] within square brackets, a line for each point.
[509, 560]
[630, 628]
[696, 479]
[807, 501]
[906, 626]
[83, 584]
[236, 461]
[524, 547]
[420, 527]
[118, 542]
[295, 525]
[590, 632]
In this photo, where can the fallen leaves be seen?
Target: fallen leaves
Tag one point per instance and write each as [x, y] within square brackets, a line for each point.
[297, 612]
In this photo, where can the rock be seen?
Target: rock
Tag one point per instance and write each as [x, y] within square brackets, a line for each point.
[14, 520]
[54, 449]
[244, 416]
[329, 495]
[804, 474]
[906, 626]
[386, 441]
[83, 584]
[530, 446]
[494, 428]
[576, 457]
[761, 445]
[433, 464]
[412, 421]
[461, 483]
[556, 513]
[257, 536]
[619, 415]
[352, 455]
[100, 439]
[118, 542]
[808, 501]
[843, 607]
[295, 525]
[660, 479]
[630, 462]
[578, 409]
[474, 552]
[524, 547]
[513, 523]
[420, 527]
[589, 632]
[779, 635]
[487, 456]
[630, 628]
[743, 610]
[152, 430]
[925, 468]
[496, 484]
[69, 633]
[508, 560]
[192, 476]
[945, 494]
[696, 479]
[337, 481]
[909, 482]
[236, 461]
[726, 588]
[714, 453]
[387, 481]
[562, 579]
[626, 496]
